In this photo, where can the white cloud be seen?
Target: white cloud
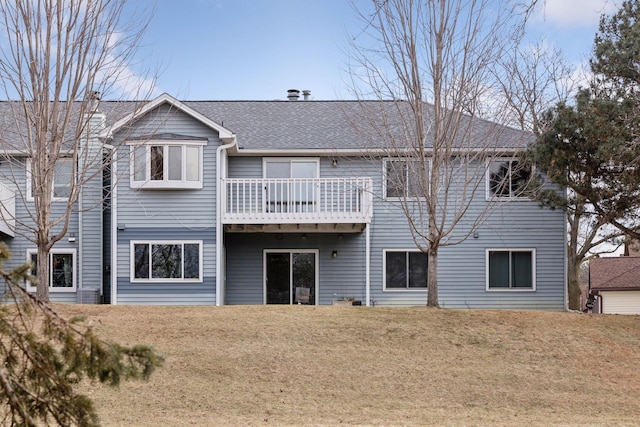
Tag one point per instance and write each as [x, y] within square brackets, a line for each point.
[577, 13]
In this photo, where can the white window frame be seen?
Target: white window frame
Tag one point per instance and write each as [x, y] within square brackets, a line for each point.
[266, 160]
[510, 250]
[384, 178]
[384, 271]
[132, 255]
[29, 182]
[165, 184]
[315, 252]
[56, 251]
[488, 194]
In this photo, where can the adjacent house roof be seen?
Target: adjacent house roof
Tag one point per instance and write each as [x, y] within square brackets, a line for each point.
[615, 273]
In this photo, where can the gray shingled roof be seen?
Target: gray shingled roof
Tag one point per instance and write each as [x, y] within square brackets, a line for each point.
[332, 125]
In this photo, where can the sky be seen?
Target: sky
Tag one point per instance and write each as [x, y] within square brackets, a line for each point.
[258, 49]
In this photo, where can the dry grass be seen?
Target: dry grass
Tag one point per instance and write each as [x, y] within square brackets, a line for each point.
[259, 365]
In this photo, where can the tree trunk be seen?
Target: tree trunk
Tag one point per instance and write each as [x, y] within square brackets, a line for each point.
[573, 283]
[42, 272]
[432, 277]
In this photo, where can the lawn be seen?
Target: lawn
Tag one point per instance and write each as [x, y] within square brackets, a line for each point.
[300, 365]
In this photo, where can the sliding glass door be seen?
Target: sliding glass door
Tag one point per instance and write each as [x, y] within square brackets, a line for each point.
[290, 276]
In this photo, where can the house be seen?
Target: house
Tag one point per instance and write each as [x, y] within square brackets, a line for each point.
[615, 282]
[279, 202]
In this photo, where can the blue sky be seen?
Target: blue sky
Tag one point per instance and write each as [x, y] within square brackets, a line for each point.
[257, 49]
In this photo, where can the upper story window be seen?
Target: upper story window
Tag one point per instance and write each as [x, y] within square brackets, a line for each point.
[403, 178]
[509, 178]
[62, 178]
[167, 165]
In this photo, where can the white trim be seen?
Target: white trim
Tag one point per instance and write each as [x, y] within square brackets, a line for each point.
[132, 277]
[266, 160]
[381, 152]
[53, 186]
[114, 232]
[53, 251]
[386, 160]
[221, 172]
[316, 252]
[492, 198]
[533, 269]
[384, 271]
[367, 265]
[162, 99]
[165, 184]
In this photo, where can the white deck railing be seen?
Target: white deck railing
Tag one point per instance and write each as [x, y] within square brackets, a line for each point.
[296, 200]
[7, 210]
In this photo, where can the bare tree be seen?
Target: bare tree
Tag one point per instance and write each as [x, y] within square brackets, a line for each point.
[433, 64]
[540, 78]
[58, 57]
[537, 77]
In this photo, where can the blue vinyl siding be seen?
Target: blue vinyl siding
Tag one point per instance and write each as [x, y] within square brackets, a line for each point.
[461, 273]
[167, 215]
[178, 293]
[19, 244]
[340, 276]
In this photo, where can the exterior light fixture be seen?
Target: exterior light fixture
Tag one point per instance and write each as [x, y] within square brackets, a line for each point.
[334, 254]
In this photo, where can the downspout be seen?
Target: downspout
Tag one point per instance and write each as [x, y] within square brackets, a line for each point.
[367, 271]
[221, 172]
[565, 264]
[114, 231]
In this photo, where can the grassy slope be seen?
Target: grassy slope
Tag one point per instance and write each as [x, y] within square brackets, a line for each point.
[258, 365]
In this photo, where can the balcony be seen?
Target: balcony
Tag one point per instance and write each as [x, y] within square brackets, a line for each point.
[296, 204]
[7, 211]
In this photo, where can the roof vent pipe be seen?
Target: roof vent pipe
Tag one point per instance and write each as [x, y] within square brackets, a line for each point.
[306, 94]
[293, 94]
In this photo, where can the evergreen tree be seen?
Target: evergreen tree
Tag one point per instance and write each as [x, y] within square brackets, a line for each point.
[591, 148]
[45, 356]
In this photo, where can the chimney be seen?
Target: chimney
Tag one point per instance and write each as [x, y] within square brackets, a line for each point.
[94, 100]
[293, 94]
[306, 94]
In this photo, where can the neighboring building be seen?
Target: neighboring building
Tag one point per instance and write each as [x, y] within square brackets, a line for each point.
[260, 202]
[615, 283]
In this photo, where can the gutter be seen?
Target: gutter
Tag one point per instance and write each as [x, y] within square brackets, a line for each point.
[221, 172]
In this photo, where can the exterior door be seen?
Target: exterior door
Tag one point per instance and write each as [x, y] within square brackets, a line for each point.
[292, 189]
[291, 277]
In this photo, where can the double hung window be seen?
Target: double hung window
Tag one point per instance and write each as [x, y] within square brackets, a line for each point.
[404, 178]
[62, 179]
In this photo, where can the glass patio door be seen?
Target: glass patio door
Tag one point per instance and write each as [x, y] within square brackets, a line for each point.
[290, 277]
[292, 189]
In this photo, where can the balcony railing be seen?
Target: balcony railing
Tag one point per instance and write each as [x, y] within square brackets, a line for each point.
[296, 200]
[7, 210]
